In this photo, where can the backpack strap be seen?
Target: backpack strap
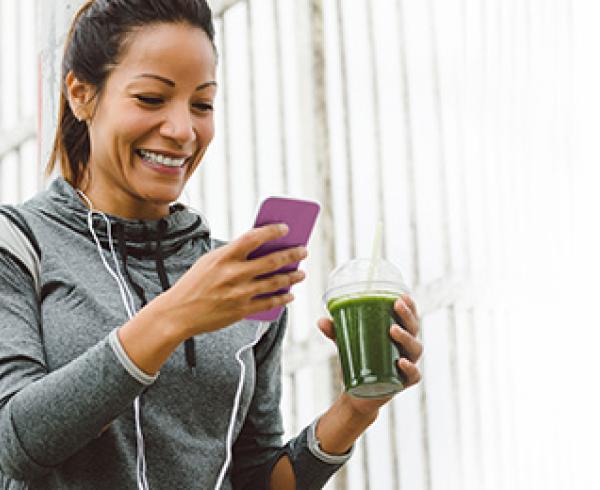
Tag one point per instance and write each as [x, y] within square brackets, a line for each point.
[18, 240]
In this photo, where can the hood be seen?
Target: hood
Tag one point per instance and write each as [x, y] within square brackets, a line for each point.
[152, 240]
[142, 238]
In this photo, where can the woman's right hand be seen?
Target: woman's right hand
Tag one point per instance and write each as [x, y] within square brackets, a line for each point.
[221, 287]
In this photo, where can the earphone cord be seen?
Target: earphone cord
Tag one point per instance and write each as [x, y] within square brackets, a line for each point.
[129, 304]
[236, 404]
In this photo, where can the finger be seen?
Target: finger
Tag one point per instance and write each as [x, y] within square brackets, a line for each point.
[276, 282]
[326, 326]
[411, 304]
[403, 315]
[276, 260]
[266, 304]
[409, 346]
[252, 239]
[409, 372]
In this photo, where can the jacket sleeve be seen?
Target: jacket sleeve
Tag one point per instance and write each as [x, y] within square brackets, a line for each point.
[46, 417]
[259, 445]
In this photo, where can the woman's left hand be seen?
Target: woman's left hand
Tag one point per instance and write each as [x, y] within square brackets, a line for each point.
[408, 344]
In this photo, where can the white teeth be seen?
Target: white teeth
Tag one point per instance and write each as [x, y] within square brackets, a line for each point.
[161, 159]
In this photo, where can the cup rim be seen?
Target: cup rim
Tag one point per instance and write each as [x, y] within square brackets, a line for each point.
[354, 289]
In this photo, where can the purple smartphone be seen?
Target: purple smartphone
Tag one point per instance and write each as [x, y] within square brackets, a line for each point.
[300, 216]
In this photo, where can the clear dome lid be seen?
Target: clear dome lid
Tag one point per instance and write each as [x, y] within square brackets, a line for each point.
[359, 276]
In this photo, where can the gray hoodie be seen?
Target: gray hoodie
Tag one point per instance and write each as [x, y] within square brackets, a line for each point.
[63, 379]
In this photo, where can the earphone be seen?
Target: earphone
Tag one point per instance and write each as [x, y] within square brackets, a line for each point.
[129, 304]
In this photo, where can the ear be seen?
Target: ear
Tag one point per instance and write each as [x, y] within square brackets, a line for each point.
[80, 95]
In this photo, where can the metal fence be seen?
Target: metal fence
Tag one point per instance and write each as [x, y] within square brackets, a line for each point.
[452, 122]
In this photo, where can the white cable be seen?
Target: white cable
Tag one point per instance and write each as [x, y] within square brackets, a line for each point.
[118, 269]
[141, 458]
[236, 404]
[126, 295]
[123, 288]
[142, 481]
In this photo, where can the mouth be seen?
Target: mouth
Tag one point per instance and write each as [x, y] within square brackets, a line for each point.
[163, 159]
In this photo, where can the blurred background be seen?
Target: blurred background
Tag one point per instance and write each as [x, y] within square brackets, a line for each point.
[469, 127]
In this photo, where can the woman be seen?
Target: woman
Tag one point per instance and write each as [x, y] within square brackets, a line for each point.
[132, 285]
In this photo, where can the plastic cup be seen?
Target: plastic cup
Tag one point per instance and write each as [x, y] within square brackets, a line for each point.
[360, 298]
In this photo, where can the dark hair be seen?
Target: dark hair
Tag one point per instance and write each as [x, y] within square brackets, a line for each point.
[95, 43]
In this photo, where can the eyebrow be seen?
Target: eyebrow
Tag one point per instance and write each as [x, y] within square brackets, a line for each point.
[171, 83]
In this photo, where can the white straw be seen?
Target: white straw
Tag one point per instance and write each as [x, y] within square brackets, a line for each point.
[376, 251]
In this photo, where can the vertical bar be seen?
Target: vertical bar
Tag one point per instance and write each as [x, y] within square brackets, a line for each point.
[321, 132]
[444, 204]
[466, 202]
[479, 312]
[347, 142]
[341, 477]
[253, 112]
[19, 95]
[511, 480]
[48, 29]
[350, 187]
[323, 170]
[412, 203]
[226, 139]
[1, 101]
[395, 470]
[281, 109]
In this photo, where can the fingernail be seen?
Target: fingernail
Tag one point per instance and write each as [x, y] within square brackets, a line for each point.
[299, 275]
[283, 228]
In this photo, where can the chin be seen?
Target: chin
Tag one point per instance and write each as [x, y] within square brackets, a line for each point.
[163, 196]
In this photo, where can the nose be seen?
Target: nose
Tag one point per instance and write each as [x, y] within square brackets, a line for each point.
[178, 126]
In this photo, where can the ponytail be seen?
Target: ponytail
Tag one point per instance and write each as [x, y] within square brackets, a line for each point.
[71, 147]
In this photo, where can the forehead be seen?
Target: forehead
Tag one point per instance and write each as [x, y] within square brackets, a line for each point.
[178, 51]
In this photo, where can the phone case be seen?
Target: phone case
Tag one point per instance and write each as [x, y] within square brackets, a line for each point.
[300, 216]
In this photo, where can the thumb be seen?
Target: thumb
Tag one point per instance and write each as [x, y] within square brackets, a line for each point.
[326, 326]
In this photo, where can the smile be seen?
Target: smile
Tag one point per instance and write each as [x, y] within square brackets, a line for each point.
[160, 159]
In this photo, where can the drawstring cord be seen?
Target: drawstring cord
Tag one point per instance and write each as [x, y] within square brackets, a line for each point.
[190, 344]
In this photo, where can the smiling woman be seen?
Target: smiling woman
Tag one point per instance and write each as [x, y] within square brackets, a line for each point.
[147, 132]
[135, 121]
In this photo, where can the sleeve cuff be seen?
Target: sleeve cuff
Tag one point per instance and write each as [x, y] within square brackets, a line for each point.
[315, 448]
[130, 367]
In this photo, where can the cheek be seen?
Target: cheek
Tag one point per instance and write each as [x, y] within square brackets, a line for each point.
[134, 128]
[205, 130]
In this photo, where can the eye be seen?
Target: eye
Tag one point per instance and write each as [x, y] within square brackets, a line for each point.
[203, 107]
[149, 100]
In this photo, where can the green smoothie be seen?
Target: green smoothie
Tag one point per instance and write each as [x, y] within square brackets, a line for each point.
[367, 355]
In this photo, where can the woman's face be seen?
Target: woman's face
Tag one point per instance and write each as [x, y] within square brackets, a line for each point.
[152, 122]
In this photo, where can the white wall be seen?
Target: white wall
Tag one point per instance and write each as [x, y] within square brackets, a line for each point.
[469, 126]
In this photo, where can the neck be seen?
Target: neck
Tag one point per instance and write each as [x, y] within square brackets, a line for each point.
[146, 211]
